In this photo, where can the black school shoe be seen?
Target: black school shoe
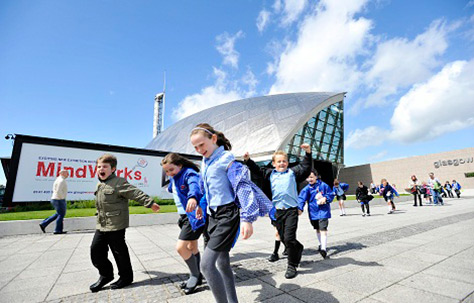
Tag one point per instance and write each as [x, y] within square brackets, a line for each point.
[273, 258]
[42, 228]
[323, 253]
[291, 272]
[121, 283]
[100, 283]
[183, 284]
[285, 252]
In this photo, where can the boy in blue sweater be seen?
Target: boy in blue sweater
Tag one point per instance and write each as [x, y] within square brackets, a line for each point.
[282, 182]
[319, 196]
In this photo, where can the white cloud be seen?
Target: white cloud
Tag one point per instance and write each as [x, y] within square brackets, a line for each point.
[262, 20]
[292, 10]
[223, 90]
[225, 46]
[323, 56]
[370, 136]
[277, 6]
[399, 63]
[469, 4]
[251, 82]
[443, 104]
[219, 93]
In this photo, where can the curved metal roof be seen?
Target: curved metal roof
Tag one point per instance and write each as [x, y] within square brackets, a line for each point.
[258, 125]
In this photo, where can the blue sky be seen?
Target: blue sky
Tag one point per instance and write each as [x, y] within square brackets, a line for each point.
[88, 70]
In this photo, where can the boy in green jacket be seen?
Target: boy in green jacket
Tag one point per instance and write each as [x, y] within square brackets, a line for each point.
[111, 196]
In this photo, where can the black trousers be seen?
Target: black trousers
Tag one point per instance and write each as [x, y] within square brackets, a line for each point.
[99, 251]
[419, 198]
[286, 224]
[366, 207]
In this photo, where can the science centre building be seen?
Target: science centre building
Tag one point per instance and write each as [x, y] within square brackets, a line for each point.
[262, 125]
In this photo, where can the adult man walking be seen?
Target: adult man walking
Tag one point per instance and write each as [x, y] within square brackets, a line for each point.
[435, 187]
[58, 200]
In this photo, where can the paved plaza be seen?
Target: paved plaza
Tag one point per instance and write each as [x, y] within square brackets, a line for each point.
[418, 254]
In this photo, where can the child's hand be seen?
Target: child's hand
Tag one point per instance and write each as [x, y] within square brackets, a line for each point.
[306, 147]
[247, 230]
[300, 212]
[155, 207]
[192, 203]
[322, 201]
[198, 213]
[246, 156]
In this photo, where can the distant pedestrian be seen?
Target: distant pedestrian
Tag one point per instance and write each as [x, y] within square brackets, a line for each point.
[415, 188]
[339, 190]
[363, 197]
[435, 187]
[58, 200]
[426, 192]
[457, 188]
[448, 188]
[373, 187]
[388, 193]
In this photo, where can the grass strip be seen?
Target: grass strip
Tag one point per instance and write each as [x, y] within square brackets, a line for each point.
[77, 212]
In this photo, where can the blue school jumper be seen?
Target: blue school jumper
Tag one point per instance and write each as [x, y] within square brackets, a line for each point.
[308, 194]
[186, 185]
[341, 189]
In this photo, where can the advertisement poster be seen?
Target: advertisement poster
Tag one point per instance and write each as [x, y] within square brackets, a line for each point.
[40, 164]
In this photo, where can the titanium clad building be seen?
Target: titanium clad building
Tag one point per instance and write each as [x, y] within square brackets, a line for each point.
[262, 125]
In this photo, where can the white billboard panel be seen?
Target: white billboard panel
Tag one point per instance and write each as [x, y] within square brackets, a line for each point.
[39, 165]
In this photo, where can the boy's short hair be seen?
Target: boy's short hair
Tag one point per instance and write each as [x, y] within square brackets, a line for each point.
[279, 152]
[108, 158]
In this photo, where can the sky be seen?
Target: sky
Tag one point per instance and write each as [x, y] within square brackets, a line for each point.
[89, 70]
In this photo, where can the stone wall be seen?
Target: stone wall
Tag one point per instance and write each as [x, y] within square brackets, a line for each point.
[446, 166]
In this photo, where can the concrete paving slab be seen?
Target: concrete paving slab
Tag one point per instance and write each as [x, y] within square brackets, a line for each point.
[359, 281]
[32, 296]
[325, 292]
[453, 273]
[450, 288]
[369, 300]
[284, 298]
[403, 294]
[405, 262]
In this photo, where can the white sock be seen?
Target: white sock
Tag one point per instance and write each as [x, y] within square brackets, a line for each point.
[324, 241]
[319, 237]
[390, 207]
[344, 211]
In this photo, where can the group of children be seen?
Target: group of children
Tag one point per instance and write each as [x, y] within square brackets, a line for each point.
[217, 200]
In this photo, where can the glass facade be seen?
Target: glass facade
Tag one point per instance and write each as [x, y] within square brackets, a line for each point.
[324, 133]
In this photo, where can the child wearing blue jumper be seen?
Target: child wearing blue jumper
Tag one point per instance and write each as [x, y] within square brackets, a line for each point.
[227, 187]
[340, 193]
[283, 184]
[319, 196]
[185, 187]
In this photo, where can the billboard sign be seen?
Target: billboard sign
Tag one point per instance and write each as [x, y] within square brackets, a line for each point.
[38, 165]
